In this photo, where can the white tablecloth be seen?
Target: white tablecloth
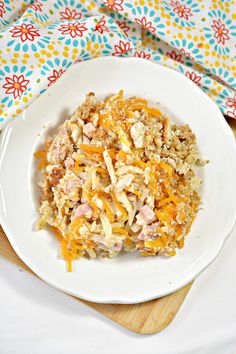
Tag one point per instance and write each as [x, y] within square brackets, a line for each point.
[37, 319]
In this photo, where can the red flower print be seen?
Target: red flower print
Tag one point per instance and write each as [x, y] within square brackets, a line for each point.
[121, 48]
[194, 77]
[231, 102]
[101, 26]
[15, 85]
[73, 29]
[70, 14]
[175, 56]
[147, 25]
[181, 10]
[2, 8]
[37, 6]
[123, 26]
[55, 76]
[142, 54]
[186, 54]
[221, 32]
[25, 31]
[115, 5]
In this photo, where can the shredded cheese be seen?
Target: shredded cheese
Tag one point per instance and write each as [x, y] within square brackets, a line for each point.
[109, 166]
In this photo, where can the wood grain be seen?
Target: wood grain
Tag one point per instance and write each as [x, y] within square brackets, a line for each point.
[145, 318]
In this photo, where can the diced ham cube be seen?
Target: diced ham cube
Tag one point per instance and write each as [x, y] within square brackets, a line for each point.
[88, 129]
[146, 215]
[71, 185]
[117, 247]
[64, 130]
[147, 232]
[69, 162]
[83, 210]
[86, 140]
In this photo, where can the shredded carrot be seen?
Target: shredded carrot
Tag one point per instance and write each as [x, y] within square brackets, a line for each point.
[128, 241]
[101, 170]
[100, 119]
[76, 224]
[91, 148]
[107, 124]
[131, 113]
[109, 211]
[171, 253]
[112, 153]
[181, 242]
[57, 233]
[100, 194]
[122, 156]
[170, 193]
[153, 111]
[166, 168]
[69, 265]
[140, 164]
[69, 253]
[149, 253]
[138, 101]
[119, 206]
[77, 167]
[119, 230]
[162, 217]
[42, 155]
[163, 202]
[137, 107]
[154, 243]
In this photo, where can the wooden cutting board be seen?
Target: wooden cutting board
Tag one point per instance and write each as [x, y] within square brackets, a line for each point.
[144, 318]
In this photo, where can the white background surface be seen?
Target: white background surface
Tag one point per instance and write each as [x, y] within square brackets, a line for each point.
[37, 319]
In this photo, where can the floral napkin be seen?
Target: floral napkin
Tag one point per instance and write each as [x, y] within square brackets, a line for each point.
[40, 39]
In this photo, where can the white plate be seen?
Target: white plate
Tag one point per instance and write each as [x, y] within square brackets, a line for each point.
[129, 278]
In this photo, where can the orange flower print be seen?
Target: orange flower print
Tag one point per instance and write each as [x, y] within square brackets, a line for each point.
[124, 27]
[73, 29]
[25, 32]
[37, 6]
[121, 48]
[221, 32]
[194, 77]
[2, 8]
[231, 102]
[175, 56]
[56, 74]
[68, 14]
[101, 26]
[145, 24]
[15, 85]
[181, 9]
[114, 5]
[142, 54]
